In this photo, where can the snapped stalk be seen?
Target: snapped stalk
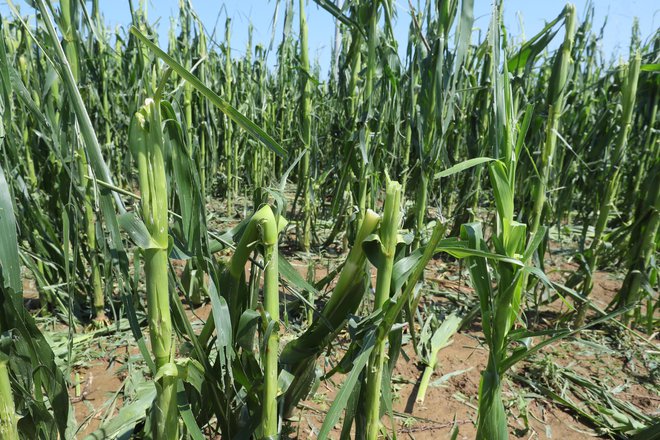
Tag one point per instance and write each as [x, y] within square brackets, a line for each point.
[299, 355]
[146, 141]
[263, 229]
[556, 95]
[629, 92]
[439, 340]
[389, 230]
[268, 231]
[70, 15]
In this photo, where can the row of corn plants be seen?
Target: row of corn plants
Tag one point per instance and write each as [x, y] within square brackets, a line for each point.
[470, 147]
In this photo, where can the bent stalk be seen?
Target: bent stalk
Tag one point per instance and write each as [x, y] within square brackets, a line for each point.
[629, 91]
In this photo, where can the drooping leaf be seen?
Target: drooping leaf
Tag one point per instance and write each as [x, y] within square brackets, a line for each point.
[224, 106]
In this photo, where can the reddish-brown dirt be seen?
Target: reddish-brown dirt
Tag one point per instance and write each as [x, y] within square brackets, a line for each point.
[454, 403]
[451, 404]
[99, 382]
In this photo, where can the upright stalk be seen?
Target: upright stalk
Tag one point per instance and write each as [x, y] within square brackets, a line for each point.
[146, 142]
[482, 130]
[306, 132]
[229, 148]
[421, 197]
[268, 232]
[372, 40]
[500, 306]
[388, 236]
[410, 104]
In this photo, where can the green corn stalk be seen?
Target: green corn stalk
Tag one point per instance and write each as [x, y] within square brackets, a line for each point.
[285, 55]
[268, 232]
[299, 355]
[499, 309]
[628, 94]
[311, 273]
[410, 102]
[108, 200]
[69, 17]
[364, 346]
[105, 86]
[642, 243]
[263, 229]
[482, 124]
[556, 92]
[8, 420]
[306, 132]
[501, 306]
[441, 77]
[651, 149]
[389, 230]
[230, 151]
[372, 44]
[348, 101]
[436, 341]
[146, 143]
[24, 69]
[646, 220]
[208, 154]
[188, 109]
[579, 121]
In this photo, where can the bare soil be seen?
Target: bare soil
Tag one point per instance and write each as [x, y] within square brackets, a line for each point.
[451, 404]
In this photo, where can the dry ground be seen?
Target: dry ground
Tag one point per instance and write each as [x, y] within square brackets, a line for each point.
[107, 364]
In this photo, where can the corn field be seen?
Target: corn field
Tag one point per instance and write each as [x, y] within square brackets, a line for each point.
[196, 242]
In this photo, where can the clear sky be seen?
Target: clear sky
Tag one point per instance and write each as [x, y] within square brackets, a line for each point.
[532, 14]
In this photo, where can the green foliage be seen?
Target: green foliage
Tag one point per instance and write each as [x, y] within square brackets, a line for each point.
[474, 127]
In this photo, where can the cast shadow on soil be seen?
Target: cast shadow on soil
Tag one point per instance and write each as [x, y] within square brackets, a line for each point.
[412, 397]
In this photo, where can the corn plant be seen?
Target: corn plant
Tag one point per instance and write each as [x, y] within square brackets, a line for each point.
[374, 333]
[434, 337]
[263, 229]
[25, 352]
[306, 132]
[83, 217]
[613, 170]
[299, 356]
[229, 148]
[439, 81]
[641, 275]
[388, 235]
[8, 427]
[146, 142]
[499, 306]
[556, 92]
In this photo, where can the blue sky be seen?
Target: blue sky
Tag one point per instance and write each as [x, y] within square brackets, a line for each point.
[522, 17]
